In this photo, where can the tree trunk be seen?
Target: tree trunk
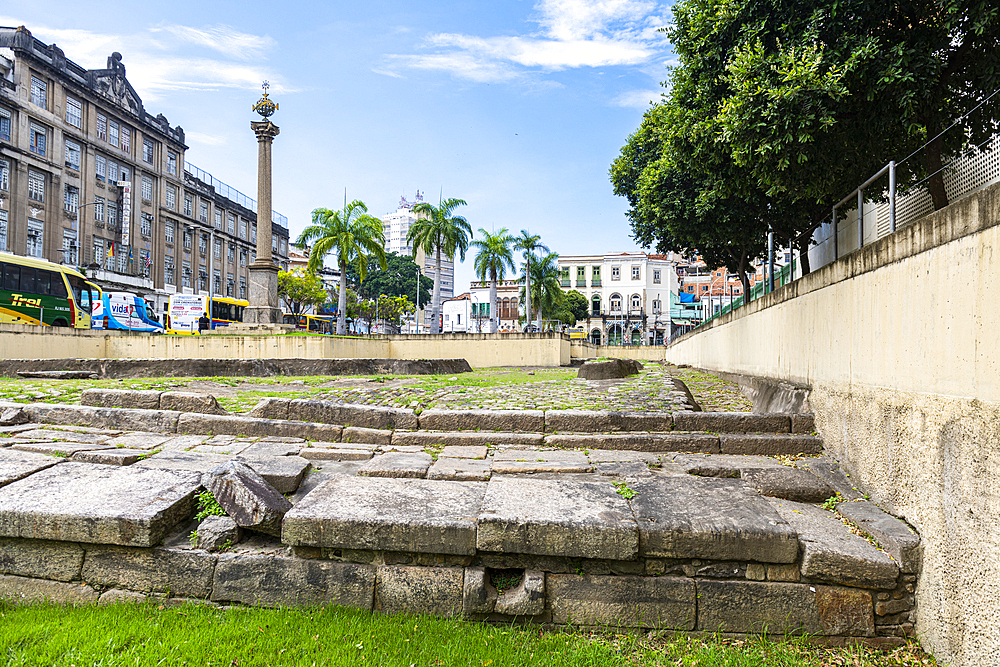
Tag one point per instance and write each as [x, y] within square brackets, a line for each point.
[494, 311]
[527, 289]
[935, 184]
[804, 242]
[436, 298]
[342, 301]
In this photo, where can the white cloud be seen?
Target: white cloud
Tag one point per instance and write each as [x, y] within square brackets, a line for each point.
[204, 139]
[574, 33]
[637, 99]
[221, 38]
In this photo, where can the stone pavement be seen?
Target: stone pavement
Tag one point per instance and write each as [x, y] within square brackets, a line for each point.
[687, 520]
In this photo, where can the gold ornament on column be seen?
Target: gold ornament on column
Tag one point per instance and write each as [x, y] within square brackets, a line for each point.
[265, 106]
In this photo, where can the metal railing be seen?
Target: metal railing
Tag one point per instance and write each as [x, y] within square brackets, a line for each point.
[231, 193]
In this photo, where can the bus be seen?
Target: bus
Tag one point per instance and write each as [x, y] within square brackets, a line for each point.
[325, 324]
[184, 310]
[36, 291]
[124, 310]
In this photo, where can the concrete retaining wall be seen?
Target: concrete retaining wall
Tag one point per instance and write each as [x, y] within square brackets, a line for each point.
[899, 344]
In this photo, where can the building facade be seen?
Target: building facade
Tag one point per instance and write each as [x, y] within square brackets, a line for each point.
[628, 295]
[89, 178]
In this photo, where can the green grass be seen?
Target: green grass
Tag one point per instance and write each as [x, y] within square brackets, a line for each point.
[147, 634]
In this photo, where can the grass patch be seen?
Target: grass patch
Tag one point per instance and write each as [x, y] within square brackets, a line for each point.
[148, 634]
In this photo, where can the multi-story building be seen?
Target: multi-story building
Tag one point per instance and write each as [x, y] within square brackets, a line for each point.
[507, 306]
[397, 225]
[89, 178]
[629, 295]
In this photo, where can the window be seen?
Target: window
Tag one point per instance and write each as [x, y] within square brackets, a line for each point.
[98, 250]
[187, 239]
[99, 209]
[126, 174]
[656, 275]
[112, 172]
[168, 269]
[69, 247]
[616, 273]
[102, 127]
[171, 198]
[113, 133]
[147, 188]
[112, 214]
[171, 163]
[109, 257]
[71, 198]
[230, 223]
[203, 243]
[168, 232]
[635, 273]
[4, 175]
[636, 302]
[122, 260]
[126, 139]
[147, 151]
[36, 138]
[3, 229]
[185, 274]
[595, 305]
[36, 186]
[35, 228]
[243, 287]
[253, 256]
[218, 248]
[74, 112]
[218, 219]
[100, 168]
[73, 155]
[595, 276]
[188, 205]
[217, 282]
[243, 229]
[232, 254]
[656, 306]
[283, 244]
[230, 284]
[4, 124]
[274, 244]
[146, 224]
[202, 279]
[253, 233]
[616, 302]
[243, 257]
[39, 92]
[203, 212]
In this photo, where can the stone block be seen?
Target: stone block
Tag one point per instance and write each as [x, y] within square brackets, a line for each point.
[84, 502]
[621, 456]
[892, 534]
[247, 497]
[464, 438]
[622, 601]
[268, 581]
[478, 596]
[622, 469]
[196, 462]
[507, 421]
[525, 599]
[611, 369]
[43, 559]
[367, 436]
[732, 422]
[60, 449]
[520, 467]
[831, 552]
[419, 590]
[123, 419]
[803, 423]
[334, 454]
[117, 596]
[749, 607]
[769, 444]
[180, 572]
[15, 464]
[26, 589]
[788, 572]
[218, 532]
[284, 473]
[141, 440]
[269, 448]
[180, 443]
[74, 437]
[115, 456]
[397, 464]
[249, 426]
[719, 519]
[639, 442]
[460, 470]
[788, 483]
[571, 518]
[367, 416]
[583, 421]
[188, 401]
[409, 515]
[271, 408]
[121, 398]
[464, 452]
[13, 416]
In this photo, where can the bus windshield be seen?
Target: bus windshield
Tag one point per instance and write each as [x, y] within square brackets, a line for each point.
[81, 292]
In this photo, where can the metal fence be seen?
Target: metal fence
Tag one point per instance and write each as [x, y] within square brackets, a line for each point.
[231, 193]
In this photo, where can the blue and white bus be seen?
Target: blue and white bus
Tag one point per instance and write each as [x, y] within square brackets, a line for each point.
[125, 311]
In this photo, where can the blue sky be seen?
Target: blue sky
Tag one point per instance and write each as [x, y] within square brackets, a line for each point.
[518, 107]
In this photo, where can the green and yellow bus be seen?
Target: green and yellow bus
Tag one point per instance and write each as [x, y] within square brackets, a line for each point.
[34, 291]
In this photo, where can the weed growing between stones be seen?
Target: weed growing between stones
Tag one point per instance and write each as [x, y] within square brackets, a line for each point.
[623, 490]
[208, 506]
[831, 503]
[504, 580]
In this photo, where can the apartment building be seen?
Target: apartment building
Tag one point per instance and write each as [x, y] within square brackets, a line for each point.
[90, 178]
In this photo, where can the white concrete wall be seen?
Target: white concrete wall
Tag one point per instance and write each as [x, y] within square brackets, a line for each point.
[900, 345]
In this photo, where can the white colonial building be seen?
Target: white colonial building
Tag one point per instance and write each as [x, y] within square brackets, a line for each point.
[628, 294]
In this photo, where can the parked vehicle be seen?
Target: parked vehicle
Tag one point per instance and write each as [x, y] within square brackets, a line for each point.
[35, 291]
[184, 310]
[124, 311]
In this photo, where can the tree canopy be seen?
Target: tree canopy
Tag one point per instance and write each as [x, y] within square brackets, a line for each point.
[299, 290]
[398, 278]
[438, 230]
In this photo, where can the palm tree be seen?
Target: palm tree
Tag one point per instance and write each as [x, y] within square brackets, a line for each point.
[494, 258]
[437, 230]
[354, 236]
[545, 285]
[529, 243]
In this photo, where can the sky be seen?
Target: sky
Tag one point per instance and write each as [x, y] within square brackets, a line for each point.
[519, 107]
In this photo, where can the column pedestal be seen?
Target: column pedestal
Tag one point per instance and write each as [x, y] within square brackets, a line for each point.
[263, 294]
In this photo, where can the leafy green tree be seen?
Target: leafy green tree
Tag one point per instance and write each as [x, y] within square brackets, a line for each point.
[576, 303]
[353, 235]
[528, 244]
[545, 285]
[299, 290]
[438, 230]
[492, 262]
[392, 310]
[399, 278]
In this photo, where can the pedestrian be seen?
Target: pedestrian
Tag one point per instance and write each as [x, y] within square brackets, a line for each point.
[203, 323]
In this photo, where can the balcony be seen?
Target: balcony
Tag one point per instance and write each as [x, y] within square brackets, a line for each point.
[564, 282]
[596, 282]
[581, 282]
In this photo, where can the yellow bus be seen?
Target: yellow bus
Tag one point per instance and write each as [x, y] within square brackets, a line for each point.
[325, 324]
[184, 311]
[36, 291]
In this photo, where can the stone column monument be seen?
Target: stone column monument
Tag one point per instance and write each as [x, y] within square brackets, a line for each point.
[263, 296]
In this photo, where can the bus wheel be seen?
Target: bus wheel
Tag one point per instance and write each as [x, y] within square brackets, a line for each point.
[60, 323]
